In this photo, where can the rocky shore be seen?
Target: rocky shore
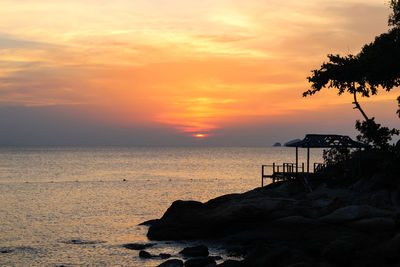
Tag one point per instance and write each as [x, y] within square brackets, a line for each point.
[284, 225]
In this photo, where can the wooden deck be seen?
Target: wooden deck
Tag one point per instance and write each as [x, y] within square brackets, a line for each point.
[288, 171]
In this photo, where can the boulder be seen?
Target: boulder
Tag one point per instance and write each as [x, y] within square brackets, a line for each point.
[83, 242]
[341, 251]
[295, 221]
[200, 262]
[391, 250]
[144, 254]
[197, 251]
[231, 263]
[172, 263]
[374, 225]
[354, 212]
[299, 264]
[138, 246]
[165, 255]
[149, 222]
[260, 256]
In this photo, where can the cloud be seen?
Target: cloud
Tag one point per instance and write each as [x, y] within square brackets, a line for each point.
[7, 42]
[186, 66]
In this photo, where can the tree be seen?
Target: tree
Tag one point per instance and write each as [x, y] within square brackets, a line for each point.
[376, 66]
[394, 18]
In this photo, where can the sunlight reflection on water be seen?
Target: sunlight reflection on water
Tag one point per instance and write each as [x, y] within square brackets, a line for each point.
[70, 205]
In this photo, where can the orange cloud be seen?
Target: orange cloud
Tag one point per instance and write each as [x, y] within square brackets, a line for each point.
[210, 65]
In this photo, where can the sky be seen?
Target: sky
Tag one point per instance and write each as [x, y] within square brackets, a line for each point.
[179, 72]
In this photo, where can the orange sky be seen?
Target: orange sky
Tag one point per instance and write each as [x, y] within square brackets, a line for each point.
[189, 66]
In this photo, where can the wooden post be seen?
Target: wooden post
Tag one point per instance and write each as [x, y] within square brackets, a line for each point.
[262, 175]
[308, 159]
[297, 158]
[273, 172]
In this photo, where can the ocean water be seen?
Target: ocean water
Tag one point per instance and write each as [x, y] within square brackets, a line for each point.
[77, 206]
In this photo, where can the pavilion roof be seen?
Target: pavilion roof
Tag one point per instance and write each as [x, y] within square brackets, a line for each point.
[327, 141]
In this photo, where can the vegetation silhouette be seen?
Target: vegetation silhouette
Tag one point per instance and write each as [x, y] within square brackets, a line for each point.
[375, 66]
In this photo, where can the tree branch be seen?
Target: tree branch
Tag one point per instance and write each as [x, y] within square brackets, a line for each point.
[358, 105]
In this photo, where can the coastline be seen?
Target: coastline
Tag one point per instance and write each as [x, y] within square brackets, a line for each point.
[282, 225]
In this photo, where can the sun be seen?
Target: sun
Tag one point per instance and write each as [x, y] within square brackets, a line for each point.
[200, 135]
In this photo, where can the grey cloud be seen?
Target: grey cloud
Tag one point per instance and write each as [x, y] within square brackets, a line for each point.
[8, 42]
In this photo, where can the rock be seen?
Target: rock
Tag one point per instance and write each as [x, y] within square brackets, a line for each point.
[299, 264]
[262, 256]
[342, 250]
[83, 242]
[322, 203]
[4, 251]
[200, 262]
[144, 254]
[332, 226]
[197, 251]
[377, 224]
[180, 221]
[295, 221]
[165, 255]
[391, 250]
[217, 258]
[354, 212]
[231, 263]
[172, 263]
[186, 220]
[138, 246]
[380, 199]
[236, 252]
[149, 222]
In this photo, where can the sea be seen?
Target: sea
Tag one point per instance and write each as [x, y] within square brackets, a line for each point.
[78, 206]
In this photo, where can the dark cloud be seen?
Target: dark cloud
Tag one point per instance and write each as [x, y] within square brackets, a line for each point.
[52, 125]
[58, 125]
[8, 42]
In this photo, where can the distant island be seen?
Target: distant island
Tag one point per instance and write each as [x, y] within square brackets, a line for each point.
[287, 143]
[292, 142]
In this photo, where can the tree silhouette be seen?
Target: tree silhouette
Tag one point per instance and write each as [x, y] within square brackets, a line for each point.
[376, 66]
[394, 18]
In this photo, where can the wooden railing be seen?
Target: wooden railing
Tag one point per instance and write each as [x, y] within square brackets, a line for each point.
[287, 171]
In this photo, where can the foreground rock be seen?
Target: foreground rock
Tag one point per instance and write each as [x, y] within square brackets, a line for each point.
[145, 255]
[283, 225]
[198, 251]
[200, 262]
[172, 263]
[231, 263]
[138, 246]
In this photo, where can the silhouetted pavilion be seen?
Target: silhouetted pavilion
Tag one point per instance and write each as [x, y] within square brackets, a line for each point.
[291, 170]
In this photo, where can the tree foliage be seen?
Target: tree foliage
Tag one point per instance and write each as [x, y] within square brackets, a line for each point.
[374, 134]
[376, 66]
[394, 18]
[398, 111]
